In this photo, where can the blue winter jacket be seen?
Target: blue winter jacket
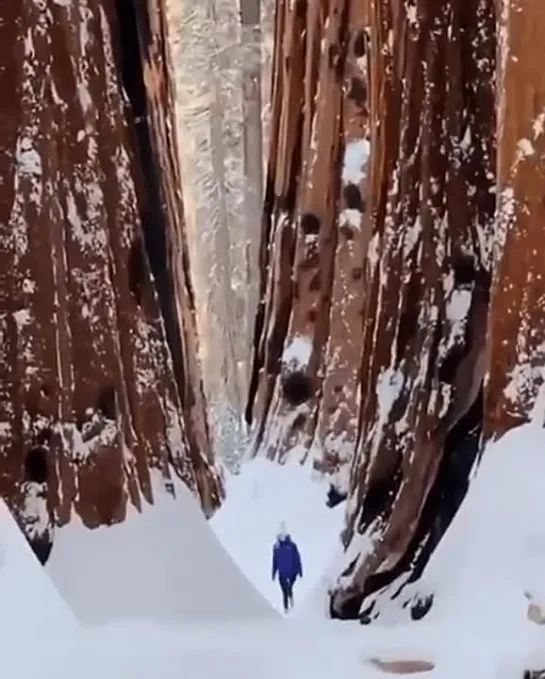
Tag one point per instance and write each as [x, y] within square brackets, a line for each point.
[286, 560]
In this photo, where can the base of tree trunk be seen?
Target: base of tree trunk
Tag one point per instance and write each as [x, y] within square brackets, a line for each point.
[534, 674]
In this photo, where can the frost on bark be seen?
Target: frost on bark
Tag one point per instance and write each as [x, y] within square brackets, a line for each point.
[427, 287]
[210, 56]
[251, 66]
[101, 402]
[517, 344]
[308, 330]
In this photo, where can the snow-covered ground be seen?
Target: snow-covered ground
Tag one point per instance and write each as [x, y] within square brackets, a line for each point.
[490, 564]
[163, 565]
[259, 499]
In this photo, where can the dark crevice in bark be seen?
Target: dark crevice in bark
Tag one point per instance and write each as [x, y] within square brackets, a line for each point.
[137, 270]
[134, 39]
[276, 208]
[380, 495]
[297, 388]
[451, 484]
[107, 403]
[443, 501]
[36, 464]
[258, 357]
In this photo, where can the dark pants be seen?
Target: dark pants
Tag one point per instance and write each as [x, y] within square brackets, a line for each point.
[286, 585]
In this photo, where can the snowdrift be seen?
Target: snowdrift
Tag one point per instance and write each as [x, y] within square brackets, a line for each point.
[164, 565]
[492, 558]
[29, 601]
[258, 499]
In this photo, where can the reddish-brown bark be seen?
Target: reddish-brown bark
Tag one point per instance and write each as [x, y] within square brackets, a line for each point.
[516, 331]
[426, 286]
[308, 330]
[100, 393]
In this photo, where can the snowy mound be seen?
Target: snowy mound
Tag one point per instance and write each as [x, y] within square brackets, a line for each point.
[164, 565]
[258, 499]
[29, 599]
[492, 558]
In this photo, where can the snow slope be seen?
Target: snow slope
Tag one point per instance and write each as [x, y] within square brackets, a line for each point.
[29, 603]
[258, 499]
[164, 565]
[493, 555]
[491, 559]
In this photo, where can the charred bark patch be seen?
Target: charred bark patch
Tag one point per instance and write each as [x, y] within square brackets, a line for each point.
[451, 362]
[464, 270]
[301, 9]
[352, 198]
[137, 270]
[107, 403]
[310, 224]
[358, 45]
[357, 91]
[36, 464]
[297, 388]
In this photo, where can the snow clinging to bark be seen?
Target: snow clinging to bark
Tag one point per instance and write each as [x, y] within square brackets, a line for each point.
[356, 156]
[297, 353]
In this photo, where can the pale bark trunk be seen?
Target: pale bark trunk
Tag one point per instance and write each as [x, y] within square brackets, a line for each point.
[224, 307]
[208, 74]
[251, 38]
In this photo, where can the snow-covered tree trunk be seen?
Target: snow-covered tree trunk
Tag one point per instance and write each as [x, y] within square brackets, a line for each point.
[309, 327]
[517, 346]
[251, 64]
[267, 53]
[209, 64]
[427, 286]
[101, 402]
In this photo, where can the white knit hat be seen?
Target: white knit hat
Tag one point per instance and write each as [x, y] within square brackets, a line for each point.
[282, 530]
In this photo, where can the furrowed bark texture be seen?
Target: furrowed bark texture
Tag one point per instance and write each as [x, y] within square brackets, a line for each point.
[517, 347]
[100, 393]
[426, 288]
[308, 330]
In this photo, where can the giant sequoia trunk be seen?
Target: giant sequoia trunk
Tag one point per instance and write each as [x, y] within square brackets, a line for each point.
[427, 287]
[370, 344]
[438, 255]
[309, 324]
[517, 346]
[100, 395]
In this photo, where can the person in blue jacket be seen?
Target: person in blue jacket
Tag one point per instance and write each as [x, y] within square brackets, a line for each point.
[287, 563]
